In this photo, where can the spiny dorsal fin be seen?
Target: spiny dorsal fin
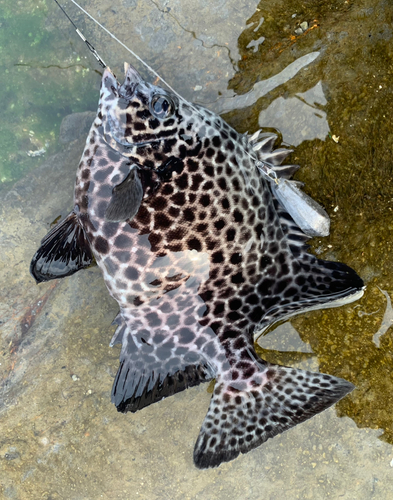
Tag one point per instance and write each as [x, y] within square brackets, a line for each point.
[254, 137]
[285, 171]
[264, 152]
[277, 156]
[311, 218]
[265, 145]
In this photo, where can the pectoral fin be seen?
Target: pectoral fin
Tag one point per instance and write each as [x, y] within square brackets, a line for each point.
[63, 251]
[126, 198]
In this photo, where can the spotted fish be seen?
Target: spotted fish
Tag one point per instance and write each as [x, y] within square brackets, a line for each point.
[201, 258]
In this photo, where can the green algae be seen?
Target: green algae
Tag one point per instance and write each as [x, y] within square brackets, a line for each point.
[350, 173]
[42, 80]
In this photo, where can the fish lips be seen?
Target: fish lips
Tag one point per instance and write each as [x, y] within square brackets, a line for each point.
[113, 90]
[115, 99]
[131, 81]
[109, 87]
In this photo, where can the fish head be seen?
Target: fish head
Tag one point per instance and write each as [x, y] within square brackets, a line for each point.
[141, 119]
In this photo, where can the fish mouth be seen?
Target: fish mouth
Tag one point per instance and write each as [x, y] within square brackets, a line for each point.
[131, 81]
[121, 95]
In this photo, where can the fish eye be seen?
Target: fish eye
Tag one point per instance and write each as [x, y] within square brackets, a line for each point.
[161, 106]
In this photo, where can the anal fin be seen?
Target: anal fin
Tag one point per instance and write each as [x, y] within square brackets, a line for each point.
[63, 251]
[150, 370]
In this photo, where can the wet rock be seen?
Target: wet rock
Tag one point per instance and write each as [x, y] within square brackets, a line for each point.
[76, 125]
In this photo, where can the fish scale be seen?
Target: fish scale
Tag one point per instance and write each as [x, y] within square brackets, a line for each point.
[201, 257]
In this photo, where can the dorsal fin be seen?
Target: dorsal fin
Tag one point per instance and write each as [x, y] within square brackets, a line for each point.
[308, 215]
[277, 156]
[264, 152]
[291, 230]
[63, 251]
[285, 171]
[265, 145]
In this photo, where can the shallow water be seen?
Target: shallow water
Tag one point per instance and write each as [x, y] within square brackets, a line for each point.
[327, 91]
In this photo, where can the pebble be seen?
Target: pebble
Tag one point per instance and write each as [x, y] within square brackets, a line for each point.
[75, 377]
[302, 28]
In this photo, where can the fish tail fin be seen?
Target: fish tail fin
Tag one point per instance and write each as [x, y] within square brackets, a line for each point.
[240, 418]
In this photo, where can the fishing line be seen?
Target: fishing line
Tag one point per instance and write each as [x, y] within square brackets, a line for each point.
[125, 47]
[267, 171]
[89, 45]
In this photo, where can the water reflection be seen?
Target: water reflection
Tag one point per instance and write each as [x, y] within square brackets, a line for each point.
[298, 118]
[263, 87]
[387, 320]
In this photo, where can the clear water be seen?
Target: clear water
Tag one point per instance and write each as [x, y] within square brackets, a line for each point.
[328, 92]
[42, 79]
